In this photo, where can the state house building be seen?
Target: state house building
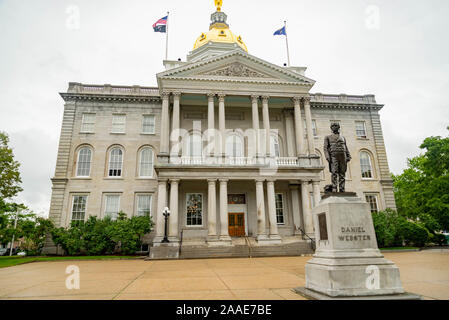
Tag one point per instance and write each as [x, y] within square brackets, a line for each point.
[230, 143]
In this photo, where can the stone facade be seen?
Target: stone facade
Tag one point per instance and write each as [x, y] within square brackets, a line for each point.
[226, 124]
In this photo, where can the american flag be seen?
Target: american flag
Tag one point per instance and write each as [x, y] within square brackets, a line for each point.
[161, 25]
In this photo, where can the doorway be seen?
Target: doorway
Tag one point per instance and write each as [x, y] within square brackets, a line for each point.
[237, 224]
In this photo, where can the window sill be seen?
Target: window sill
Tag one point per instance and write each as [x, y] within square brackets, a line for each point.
[113, 178]
[148, 134]
[360, 138]
[145, 178]
[369, 179]
[85, 132]
[81, 178]
[195, 228]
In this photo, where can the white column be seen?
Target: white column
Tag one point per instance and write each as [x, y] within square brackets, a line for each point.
[211, 123]
[261, 226]
[297, 221]
[212, 208]
[316, 192]
[175, 134]
[174, 210]
[164, 148]
[256, 128]
[266, 124]
[307, 215]
[161, 205]
[290, 133]
[310, 137]
[271, 197]
[224, 233]
[222, 123]
[299, 130]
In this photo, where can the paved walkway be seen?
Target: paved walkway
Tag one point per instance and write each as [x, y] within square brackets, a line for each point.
[425, 273]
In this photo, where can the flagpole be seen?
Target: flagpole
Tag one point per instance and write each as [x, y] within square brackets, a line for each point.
[286, 40]
[166, 44]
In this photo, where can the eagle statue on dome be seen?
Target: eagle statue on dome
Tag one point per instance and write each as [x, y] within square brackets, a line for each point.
[218, 4]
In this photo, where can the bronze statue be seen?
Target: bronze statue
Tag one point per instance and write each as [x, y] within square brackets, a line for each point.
[338, 156]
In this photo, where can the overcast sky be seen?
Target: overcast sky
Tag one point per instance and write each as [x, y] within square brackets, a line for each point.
[395, 49]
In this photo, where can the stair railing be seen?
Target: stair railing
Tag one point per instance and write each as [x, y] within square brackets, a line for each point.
[312, 241]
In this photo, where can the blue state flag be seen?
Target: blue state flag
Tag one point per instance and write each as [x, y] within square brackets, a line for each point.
[280, 32]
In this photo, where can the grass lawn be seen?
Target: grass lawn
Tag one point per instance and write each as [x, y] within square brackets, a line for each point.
[400, 248]
[14, 260]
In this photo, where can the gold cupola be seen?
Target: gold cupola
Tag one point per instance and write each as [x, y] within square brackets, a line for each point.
[219, 31]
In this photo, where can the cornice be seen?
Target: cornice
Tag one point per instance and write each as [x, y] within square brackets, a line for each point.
[337, 105]
[235, 80]
[108, 97]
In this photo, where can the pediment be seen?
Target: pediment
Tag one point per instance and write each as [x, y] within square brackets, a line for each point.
[235, 66]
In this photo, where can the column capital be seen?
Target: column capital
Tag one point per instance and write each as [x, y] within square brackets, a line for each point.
[315, 182]
[260, 180]
[223, 180]
[221, 97]
[176, 94]
[162, 181]
[297, 99]
[306, 100]
[212, 181]
[165, 94]
[271, 180]
[265, 98]
[211, 95]
[255, 98]
[174, 181]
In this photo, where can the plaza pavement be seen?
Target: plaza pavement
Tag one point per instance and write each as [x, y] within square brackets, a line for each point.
[425, 273]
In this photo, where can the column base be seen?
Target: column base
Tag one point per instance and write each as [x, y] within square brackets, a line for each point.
[213, 241]
[225, 240]
[163, 157]
[157, 242]
[275, 239]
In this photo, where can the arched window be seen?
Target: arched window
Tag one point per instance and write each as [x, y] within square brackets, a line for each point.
[115, 162]
[194, 145]
[275, 148]
[234, 146]
[366, 165]
[84, 161]
[146, 162]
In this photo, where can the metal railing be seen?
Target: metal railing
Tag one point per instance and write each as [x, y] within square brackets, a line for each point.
[246, 161]
[312, 241]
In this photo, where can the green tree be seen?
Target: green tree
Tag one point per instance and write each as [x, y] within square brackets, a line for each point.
[9, 170]
[422, 190]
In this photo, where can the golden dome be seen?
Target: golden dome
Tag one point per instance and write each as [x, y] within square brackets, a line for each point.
[223, 35]
[219, 31]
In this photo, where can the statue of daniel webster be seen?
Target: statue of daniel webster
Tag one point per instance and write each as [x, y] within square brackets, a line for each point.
[338, 156]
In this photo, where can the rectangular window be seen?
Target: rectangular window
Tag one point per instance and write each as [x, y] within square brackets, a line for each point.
[144, 205]
[88, 123]
[280, 208]
[314, 128]
[79, 208]
[112, 206]
[360, 129]
[372, 201]
[194, 209]
[148, 126]
[118, 123]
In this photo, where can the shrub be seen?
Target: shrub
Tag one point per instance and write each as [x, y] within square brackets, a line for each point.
[414, 234]
[103, 236]
[439, 239]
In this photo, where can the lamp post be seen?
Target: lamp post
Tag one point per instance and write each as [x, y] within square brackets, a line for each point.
[166, 214]
[14, 234]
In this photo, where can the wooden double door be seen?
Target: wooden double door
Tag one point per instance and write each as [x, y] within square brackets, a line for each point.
[236, 224]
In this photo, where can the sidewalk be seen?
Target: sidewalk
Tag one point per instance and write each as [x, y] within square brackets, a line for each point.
[425, 273]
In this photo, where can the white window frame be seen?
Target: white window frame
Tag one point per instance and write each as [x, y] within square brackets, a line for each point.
[190, 145]
[236, 139]
[85, 123]
[116, 123]
[138, 195]
[140, 163]
[73, 204]
[357, 130]
[370, 163]
[106, 195]
[275, 140]
[376, 197]
[314, 128]
[109, 163]
[78, 162]
[153, 123]
[283, 209]
[202, 210]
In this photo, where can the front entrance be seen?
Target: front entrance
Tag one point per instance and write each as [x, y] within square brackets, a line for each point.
[236, 224]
